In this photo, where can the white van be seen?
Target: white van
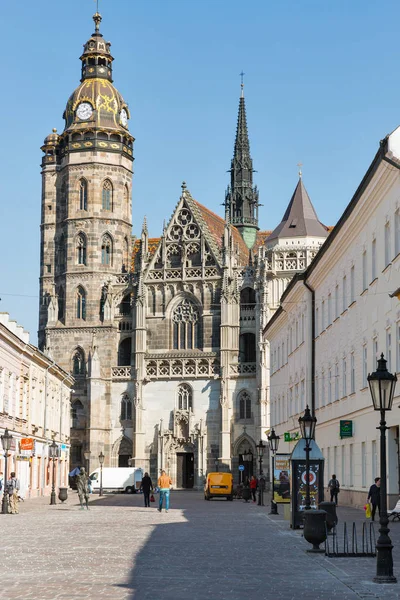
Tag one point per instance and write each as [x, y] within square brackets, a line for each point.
[123, 479]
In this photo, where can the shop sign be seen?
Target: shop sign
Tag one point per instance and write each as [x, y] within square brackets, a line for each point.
[346, 429]
[291, 437]
[22, 457]
[26, 444]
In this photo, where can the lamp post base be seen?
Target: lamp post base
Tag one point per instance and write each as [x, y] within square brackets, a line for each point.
[53, 498]
[4, 504]
[385, 579]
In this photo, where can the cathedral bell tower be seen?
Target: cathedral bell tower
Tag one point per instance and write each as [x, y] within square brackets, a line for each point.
[241, 198]
[86, 227]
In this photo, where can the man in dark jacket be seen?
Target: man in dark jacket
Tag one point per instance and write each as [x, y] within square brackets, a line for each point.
[374, 496]
[146, 486]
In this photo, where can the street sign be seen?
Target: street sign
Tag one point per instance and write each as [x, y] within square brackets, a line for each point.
[241, 467]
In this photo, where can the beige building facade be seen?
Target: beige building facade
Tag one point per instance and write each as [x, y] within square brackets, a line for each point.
[35, 408]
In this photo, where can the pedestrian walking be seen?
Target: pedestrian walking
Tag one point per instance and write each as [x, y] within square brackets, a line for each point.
[146, 486]
[164, 483]
[1, 481]
[12, 490]
[374, 497]
[253, 487]
[334, 488]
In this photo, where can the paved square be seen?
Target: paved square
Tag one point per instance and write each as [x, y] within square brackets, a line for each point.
[221, 550]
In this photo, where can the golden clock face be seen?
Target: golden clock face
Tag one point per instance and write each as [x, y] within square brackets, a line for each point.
[84, 111]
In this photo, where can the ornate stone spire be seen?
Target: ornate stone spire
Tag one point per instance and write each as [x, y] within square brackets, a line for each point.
[241, 199]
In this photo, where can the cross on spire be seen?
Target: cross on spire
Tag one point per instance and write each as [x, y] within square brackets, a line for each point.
[241, 82]
[299, 164]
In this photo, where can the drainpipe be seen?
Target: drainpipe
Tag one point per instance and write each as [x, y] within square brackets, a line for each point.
[312, 346]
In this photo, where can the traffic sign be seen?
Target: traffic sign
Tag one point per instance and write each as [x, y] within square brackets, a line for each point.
[241, 467]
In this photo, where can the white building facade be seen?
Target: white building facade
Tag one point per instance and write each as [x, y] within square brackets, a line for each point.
[35, 408]
[336, 319]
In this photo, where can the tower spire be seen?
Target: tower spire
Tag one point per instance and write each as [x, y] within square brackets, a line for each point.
[241, 199]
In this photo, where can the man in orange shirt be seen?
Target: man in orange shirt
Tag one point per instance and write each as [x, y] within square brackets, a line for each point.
[164, 483]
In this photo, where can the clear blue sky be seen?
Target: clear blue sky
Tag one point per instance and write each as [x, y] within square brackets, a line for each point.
[322, 87]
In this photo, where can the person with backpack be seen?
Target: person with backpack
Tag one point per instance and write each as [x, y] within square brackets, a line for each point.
[12, 490]
[334, 489]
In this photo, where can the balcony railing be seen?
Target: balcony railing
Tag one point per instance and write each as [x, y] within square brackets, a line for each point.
[243, 369]
[122, 372]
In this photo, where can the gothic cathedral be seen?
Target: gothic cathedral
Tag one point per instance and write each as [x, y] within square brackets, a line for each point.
[163, 335]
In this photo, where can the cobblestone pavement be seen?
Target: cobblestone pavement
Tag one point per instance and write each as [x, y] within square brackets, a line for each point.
[217, 550]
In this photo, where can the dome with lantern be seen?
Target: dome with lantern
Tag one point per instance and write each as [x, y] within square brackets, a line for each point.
[96, 103]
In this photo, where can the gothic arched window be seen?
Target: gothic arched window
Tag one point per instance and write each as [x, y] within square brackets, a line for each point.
[185, 319]
[124, 353]
[61, 303]
[83, 194]
[126, 198]
[185, 397]
[125, 256]
[247, 347]
[125, 306]
[80, 303]
[126, 408]
[247, 296]
[77, 412]
[62, 254]
[81, 249]
[106, 250]
[244, 405]
[107, 195]
[78, 362]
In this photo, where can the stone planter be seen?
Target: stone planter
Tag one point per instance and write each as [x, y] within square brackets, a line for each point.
[62, 494]
[314, 528]
[331, 516]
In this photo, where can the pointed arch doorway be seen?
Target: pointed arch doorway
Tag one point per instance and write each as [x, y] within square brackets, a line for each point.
[124, 452]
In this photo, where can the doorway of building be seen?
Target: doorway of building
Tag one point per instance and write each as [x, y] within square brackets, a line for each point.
[185, 470]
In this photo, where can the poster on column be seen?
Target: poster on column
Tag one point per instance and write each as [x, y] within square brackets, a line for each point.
[301, 476]
[282, 479]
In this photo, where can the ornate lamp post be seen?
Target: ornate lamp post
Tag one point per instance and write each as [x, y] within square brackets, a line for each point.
[273, 441]
[6, 439]
[260, 453]
[101, 461]
[248, 458]
[382, 385]
[307, 425]
[86, 454]
[53, 454]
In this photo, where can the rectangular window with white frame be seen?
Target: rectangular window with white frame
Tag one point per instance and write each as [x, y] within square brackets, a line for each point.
[302, 395]
[352, 285]
[351, 465]
[387, 243]
[323, 388]
[291, 402]
[398, 347]
[317, 321]
[343, 469]
[397, 232]
[344, 294]
[316, 391]
[352, 374]
[389, 349]
[344, 376]
[374, 353]
[365, 366]
[296, 399]
[373, 259]
[329, 386]
[329, 309]
[323, 315]
[364, 271]
[336, 382]
[374, 460]
[336, 301]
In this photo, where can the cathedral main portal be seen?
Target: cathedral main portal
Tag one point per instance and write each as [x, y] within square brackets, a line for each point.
[184, 470]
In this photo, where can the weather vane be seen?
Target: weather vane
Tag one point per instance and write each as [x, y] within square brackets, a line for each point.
[299, 164]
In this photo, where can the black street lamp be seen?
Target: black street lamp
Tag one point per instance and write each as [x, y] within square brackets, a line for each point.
[248, 458]
[53, 454]
[273, 441]
[6, 439]
[101, 461]
[307, 425]
[382, 385]
[261, 483]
